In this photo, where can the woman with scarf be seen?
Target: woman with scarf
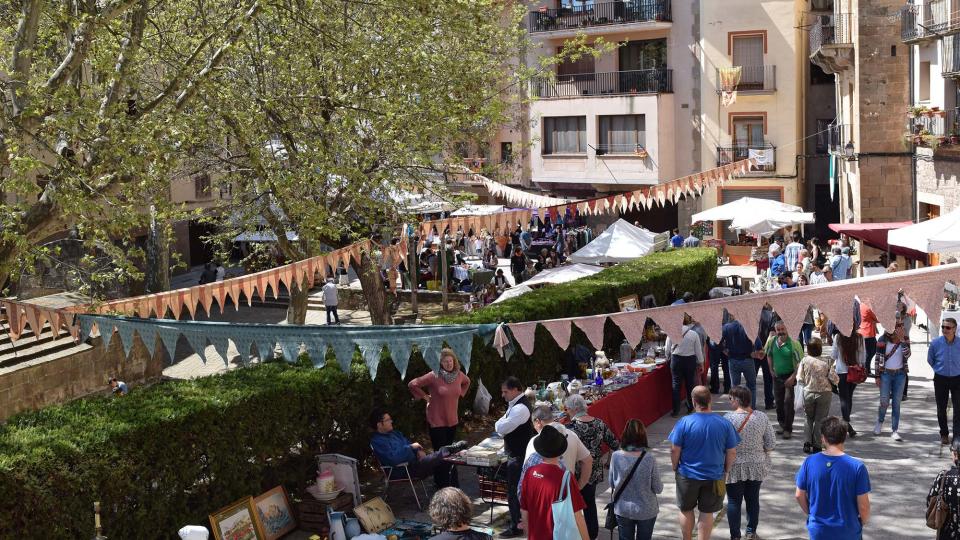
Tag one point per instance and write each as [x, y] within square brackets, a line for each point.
[442, 391]
[847, 351]
[893, 352]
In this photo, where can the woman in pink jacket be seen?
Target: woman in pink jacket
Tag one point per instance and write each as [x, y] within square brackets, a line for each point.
[442, 391]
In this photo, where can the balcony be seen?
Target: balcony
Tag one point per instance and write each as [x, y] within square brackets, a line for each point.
[926, 21]
[831, 42]
[613, 83]
[634, 150]
[755, 79]
[738, 152]
[838, 135]
[950, 62]
[599, 14]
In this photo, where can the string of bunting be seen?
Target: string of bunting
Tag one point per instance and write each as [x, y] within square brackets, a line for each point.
[923, 286]
[292, 340]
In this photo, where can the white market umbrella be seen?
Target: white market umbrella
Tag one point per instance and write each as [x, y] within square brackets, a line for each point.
[932, 236]
[745, 206]
[563, 274]
[513, 292]
[621, 242]
[478, 210]
[768, 223]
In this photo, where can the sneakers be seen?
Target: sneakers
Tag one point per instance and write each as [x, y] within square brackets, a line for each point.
[851, 432]
[787, 434]
[807, 448]
[510, 533]
[751, 536]
[877, 428]
[896, 436]
[778, 430]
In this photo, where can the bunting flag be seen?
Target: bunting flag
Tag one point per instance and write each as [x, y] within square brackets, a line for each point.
[517, 197]
[924, 286]
[371, 340]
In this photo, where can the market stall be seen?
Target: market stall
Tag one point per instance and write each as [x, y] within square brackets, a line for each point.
[621, 242]
[937, 235]
[647, 400]
[563, 274]
[758, 218]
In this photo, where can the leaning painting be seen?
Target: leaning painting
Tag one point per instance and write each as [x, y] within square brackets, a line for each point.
[236, 522]
[273, 512]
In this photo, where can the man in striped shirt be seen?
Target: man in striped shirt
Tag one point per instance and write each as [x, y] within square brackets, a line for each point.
[791, 253]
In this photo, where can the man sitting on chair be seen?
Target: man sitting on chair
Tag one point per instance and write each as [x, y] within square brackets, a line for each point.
[392, 448]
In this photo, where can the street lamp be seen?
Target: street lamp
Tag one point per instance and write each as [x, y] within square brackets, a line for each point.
[848, 151]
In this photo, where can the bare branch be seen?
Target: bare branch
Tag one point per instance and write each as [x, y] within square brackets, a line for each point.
[128, 52]
[24, 41]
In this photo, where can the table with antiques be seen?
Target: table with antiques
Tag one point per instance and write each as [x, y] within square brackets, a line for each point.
[487, 458]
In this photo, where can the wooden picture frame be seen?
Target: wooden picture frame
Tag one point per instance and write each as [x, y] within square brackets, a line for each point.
[274, 513]
[237, 521]
[629, 303]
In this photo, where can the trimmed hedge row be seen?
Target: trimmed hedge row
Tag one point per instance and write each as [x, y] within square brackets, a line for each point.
[169, 454]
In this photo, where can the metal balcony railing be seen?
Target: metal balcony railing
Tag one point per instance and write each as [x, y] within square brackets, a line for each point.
[600, 14]
[928, 20]
[838, 136]
[944, 123]
[621, 149]
[613, 83]
[738, 152]
[950, 61]
[756, 78]
[830, 30]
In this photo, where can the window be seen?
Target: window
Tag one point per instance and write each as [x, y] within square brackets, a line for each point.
[582, 66]
[748, 54]
[565, 135]
[201, 186]
[923, 88]
[621, 134]
[506, 152]
[748, 131]
[643, 54]
[823, 135]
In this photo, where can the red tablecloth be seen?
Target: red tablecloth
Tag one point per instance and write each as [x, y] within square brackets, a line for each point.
[647, 400]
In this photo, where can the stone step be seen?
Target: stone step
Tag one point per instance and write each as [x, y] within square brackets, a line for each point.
[27, 350]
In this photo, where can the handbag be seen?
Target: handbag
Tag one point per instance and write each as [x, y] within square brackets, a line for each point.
[937, 511]
[564, 519]
[610, 522]
[856, 374]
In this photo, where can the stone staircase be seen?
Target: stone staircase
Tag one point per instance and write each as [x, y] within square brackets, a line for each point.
[28, 348]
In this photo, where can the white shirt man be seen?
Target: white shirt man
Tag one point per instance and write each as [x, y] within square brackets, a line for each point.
[330, 301]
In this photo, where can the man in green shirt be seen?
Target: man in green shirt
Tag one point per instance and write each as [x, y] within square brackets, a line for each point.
[784, 354]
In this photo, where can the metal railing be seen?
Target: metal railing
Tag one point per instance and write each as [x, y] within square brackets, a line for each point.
[830, 30]
[600, 14]
[613, 83]
[839, 135]
[756, 78]
[950, 61]
[738, 152]
[943, 123]
[926, 20]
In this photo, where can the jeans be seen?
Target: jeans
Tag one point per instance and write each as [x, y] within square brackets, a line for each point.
[747, 368]
[635, 529]
[683, 369]
[332, 309]
[805, 332]
[589, 493]
[845, 392]
[942, 388]
[784, 398]
[718, 360]
[514, 466]
[748, 490]
[816, 406]
[764, 366]
[891, 386]
[446, 474]
[870, 348]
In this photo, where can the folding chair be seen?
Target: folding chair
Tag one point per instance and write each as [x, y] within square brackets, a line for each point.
[387, 471]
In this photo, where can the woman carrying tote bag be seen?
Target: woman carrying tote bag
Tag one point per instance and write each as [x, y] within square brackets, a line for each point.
[635, 481]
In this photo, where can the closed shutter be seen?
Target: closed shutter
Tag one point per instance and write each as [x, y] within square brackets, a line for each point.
[731, 195]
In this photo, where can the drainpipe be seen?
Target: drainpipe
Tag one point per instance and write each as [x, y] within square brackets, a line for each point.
[914, 210]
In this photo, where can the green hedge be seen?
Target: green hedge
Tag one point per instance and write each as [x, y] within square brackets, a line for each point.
[693, 270]
[169, 454]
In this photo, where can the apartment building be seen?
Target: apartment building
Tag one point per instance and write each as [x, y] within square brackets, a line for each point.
[931, 30]
[857, 42]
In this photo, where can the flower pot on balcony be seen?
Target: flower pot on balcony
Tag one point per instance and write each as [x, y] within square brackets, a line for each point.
[939, 114]
[954, 139]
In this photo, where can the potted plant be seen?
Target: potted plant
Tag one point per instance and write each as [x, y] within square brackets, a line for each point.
[954, 137]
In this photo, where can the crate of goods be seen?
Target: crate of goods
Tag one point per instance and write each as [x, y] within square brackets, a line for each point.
[312, 514]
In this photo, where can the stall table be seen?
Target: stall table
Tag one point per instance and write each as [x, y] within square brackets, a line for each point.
[646, 400]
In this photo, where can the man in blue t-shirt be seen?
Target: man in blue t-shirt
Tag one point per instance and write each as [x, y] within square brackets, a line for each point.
[833, 488]
[676, 240]
[704, 447]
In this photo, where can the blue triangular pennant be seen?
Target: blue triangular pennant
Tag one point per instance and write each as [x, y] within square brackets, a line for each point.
[106, 332]
[86, 325]
[243, 341]
[169, 336]
[462, 345]
[400, 352]
[370, 350]
[198, 342]
[343, 349]
[317, 349]
[220, 344]
[431, 353]
[291, 348]
[266, 349]
[148, 336]
[125, 334]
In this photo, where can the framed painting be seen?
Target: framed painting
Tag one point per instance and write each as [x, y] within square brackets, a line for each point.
[237, 522]
[274, 513]
[629, 303]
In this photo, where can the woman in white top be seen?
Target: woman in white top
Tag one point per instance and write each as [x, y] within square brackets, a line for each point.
[893, 351]
[847, 351]
[752, 464]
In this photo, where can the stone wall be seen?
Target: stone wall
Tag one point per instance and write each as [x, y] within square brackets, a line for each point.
[74, 373]
[940, 176]
[885, 188]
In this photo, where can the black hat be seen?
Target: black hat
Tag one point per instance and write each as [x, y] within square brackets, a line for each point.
[550, 443]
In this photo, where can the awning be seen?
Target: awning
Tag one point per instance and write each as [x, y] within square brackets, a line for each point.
[937, 235]
[875, 236]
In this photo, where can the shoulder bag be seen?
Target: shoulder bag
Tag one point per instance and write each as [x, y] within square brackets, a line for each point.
[610, 522]
[937, 511]
[564, 518]
[856, 373]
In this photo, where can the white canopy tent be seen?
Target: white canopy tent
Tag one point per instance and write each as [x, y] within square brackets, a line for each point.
[761, 217]
[621, 242]
[936, 235]
[563, 274]
[478, 210]
[513, 292]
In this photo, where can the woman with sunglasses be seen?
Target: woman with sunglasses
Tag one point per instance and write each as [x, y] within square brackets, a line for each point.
[893, 352]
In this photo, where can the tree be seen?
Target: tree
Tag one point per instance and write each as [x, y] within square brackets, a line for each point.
[97, 115]
[328, 108]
